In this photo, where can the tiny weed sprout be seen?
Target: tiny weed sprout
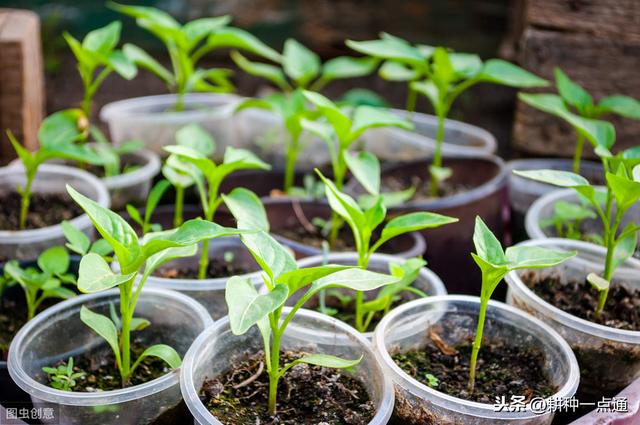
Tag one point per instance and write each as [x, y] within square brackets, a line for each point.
[567, 218]
[441, 76]
[282, 278]
[494, 264]
[63, 377]
[155, 195]
[301, 68]
[363, 223]
[576, 106]
[58, 135]
[48, 280]
[192, 151]
[186, 45]
[134, 256]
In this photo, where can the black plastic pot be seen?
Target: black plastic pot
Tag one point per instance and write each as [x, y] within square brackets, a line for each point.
[450, 246]
[288, 213]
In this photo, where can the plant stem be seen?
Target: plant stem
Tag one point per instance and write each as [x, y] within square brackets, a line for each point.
[290, 165]
[437, 154]
[577, 156]
[125, 334]
[339, 171]
[177, 215]
[204, 260]
[274, 372]
[26, 198]
[608, 264]
[412, 97]
[477, 342]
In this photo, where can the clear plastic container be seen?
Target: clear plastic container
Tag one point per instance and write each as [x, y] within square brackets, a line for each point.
[405, 328]
[312, 332]
[609, 358]
[152, 119]
[209, 292]
[51, 178]
[133, 187]
[58, 333]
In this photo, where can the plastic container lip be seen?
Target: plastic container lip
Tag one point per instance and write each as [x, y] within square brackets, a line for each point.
[457, 404]
[137, 106]
[82, 221]
[558, 315]
[202, 415]
[197, 285]
[44, 392]
[148, 171]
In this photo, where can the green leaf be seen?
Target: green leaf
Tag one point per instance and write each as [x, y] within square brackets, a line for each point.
[571, 92]
[102, 326]
[488, 248]
[465, 65]
[134, 214]
[272, 257]
[95, 275]
[366, 117]
[195, 137]
[101, 247]
[54, 260]
[139, 324]
[359, 97]
[121, 64]
[533, 257]
[77, 241]
[396, 71]
[247, 209]
[205, 165]
[498, 71]
[263, 70]
[62, 127]
[156, 260]
[154, 197]
[296, 279]
[554, 177]
[598, 282]
[410, 223]
[625, 247]
[103, 40]
[240, 39]
[347, 67]
[324, 360]
[28, 159]
[390, 49]
[625, 190]
[150, 14]
[299, 63]
[440, 173]
[161, 351]
[624, 106]
[354, 278]
[240, 159]
[366, 169]
[196, 30]
[389, 199]
[345, 206]
[443, 73]
[338, 120]
[176, 177]
[247, 307]
[146, 61]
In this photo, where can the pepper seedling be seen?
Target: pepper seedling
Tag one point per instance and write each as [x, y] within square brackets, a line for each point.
[567, 218]
[186, 45]
[63, 377]
[441, 76]
[282, 279]
[196, 147]
[363, 223]
[134, 257]
[574, 105]
[46, 281]
[494, 265]
[155, 195]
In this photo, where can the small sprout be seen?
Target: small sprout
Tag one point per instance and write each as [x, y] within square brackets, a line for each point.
[567, 218]
[432, 381]
[153, 199]
[229, 256]
[63, 377]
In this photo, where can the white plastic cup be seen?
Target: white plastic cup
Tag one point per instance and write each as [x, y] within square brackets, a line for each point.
[58, 333]
[405, 328]
[311, 332]
[133, 187]
[51, 178]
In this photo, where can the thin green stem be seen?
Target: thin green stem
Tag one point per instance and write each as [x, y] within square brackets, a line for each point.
[177, 214]
[290, 165]
[412, 97]
[26, 198]
[437, 154]
[608, 264]
[204, 260]
[125, 333]
[274, 375]
[477, 343]
[339, 172]
[577, 155]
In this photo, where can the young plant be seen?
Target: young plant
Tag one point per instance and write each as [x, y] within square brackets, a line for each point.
[186, 45]
[155, 195]
[567, 218]
[63, 377]
[363, 223]
[134, 257]
[111, 154]
[576, 106]
[441, 76]
[193, 150]
[44, 282]
[494, 265]
[282, 278]
[58, 135]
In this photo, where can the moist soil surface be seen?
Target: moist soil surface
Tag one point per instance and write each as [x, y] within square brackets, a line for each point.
[501, 370]
[306, 395]
[216, 269]
[13, 315]
[579, 298]
[423, 187]
[46, 209]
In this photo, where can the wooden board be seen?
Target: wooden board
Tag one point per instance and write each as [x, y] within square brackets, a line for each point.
[21, 79]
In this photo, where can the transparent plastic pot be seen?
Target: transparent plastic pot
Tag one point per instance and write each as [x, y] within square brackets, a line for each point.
[523, 192]
[216, 348]
[58, 333]
[152, 119]
[208, 292]
[51, 178]
[609, 358]
[427, 281]
[133, 187]
[455, 319]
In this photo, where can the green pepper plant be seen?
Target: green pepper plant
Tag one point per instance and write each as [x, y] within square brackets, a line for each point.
[495, 263]
[134, 257]
[441, 76]
[567, 218]
[363, 223]
[194, 153]
[282, 278]
[155, 195]
[576, 106]
[186, 45]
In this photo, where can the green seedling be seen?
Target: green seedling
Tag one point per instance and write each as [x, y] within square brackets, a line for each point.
[155, 195]
[363, 223]
[46, 281]
[193, 150]
[494, 265]
[63, 377]
[134, 257]
[79, 242]
[576, 106]
[111, 155]
[441, 76]
[567, 218]
[186, 45]
[283, 279]
[432, 381]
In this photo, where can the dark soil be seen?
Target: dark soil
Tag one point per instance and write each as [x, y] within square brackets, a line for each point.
[306, 395]
[217, 268]
[46, 209]
[423, 187]
[13, 315]
[501, 370]
[579, 298]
